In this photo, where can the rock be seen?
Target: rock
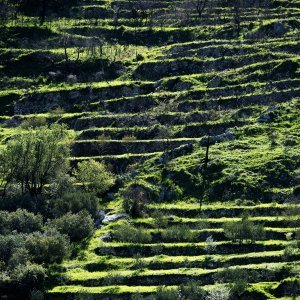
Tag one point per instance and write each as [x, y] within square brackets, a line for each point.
[106, 237]
[179, 151]
[100, 218]
[226, 136]
[72, 78]
[101, 215]
[182, 150]
[114, 218]
[279, 28]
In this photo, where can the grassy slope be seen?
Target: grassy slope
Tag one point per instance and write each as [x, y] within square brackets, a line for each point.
[188, 82]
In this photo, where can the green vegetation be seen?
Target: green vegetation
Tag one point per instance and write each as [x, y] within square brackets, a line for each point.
[149, 149]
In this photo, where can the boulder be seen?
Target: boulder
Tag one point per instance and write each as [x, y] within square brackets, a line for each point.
[114, 218]
[106, 237]
[226, 136]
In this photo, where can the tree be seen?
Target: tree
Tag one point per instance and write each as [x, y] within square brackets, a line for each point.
[32, 159]
[200, 6]
[94, 176]
[236, 6]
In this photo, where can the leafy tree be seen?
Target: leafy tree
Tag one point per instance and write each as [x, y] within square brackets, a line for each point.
[32, 159]
[94, 176]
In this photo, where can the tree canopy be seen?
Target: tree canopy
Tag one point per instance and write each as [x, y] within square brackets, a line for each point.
[32, 159]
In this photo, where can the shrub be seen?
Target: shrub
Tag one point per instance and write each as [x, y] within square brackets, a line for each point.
[292, 215]
[127, 233]
[134, 200]
[94, 176]
[219, 293]
[8, 244]
[244, 230]
[34, 122]
[29, 276]
[21, 220]
[76, 226]
[160, 220]
[75, 202]
[48, 247]
[192, 291]
[178, 233]
[20, 256]
[291, 250]
[165, 293]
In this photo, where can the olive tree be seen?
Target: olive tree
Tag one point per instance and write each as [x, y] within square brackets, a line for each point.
[33, 159]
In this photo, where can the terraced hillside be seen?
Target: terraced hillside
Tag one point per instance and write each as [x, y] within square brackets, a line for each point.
[197, 112]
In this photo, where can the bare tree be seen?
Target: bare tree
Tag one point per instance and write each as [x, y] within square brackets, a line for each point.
[200, 6]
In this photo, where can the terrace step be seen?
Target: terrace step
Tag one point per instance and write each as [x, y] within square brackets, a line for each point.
[187, 249]
[119, 147]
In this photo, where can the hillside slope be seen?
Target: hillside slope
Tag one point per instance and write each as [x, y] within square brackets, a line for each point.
[197, 113]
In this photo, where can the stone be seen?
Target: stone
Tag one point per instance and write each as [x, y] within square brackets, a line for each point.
[114, 218]
[279, 28]
[226, 136]
[106, 237]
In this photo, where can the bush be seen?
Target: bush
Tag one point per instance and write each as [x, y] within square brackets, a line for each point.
[8, 245]
[127, 233]
[94, 176]
[219, 293]
[34, 122]
[178, 233]
[244, 230]
[165, 293]
[192, 291]
[292, 215]
[48, 247]
[20, 256]
[75, 202]
[76, 226]
[29, 276]
[134, 200]
[21, 220]
[291, 250]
